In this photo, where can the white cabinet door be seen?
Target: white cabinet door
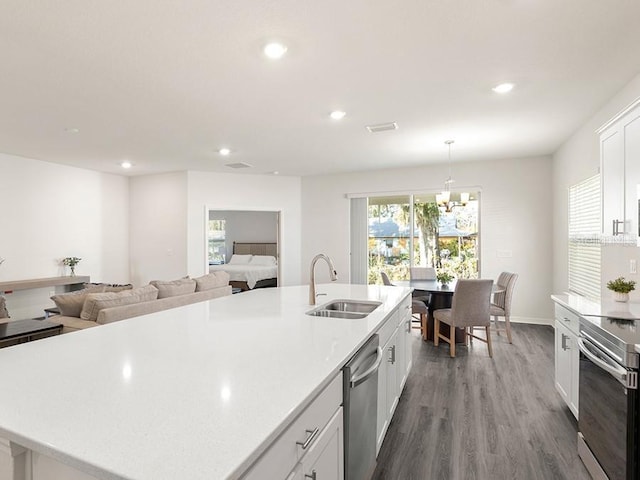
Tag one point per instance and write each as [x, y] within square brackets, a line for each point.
[382, 421]
[631, 128]
[612, 178]
[387, 387]
[392, 374]
[563, 362]
[325, 459]
[575, 373]
[567, 366]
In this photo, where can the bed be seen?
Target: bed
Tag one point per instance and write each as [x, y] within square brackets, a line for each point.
[252, 265]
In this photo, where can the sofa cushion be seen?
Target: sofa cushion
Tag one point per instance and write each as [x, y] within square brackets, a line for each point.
[212, 280]
[171, 288]
[95, 302]
[70, 304]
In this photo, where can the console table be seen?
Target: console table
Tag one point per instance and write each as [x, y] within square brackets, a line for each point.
[43, 283]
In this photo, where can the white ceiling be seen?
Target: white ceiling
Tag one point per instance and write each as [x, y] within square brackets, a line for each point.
[165, 83]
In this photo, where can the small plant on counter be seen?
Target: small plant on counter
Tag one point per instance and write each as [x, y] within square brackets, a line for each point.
[71, 262]
[620, 285]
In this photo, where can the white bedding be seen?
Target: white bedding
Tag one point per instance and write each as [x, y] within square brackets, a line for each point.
[247, 273]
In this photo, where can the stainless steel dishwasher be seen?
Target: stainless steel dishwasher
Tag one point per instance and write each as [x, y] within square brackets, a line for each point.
[361, 410]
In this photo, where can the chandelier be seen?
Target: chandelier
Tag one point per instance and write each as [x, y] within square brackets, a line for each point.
[444, 199]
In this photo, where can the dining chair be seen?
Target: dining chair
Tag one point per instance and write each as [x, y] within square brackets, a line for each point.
[385, 279]
[419, 312]
[470, 307]
[422, 273]
[501, 304]
[418, 307]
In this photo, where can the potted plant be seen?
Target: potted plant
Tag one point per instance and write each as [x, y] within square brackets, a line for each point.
[71, 262]
[444, 277]
[621, 288]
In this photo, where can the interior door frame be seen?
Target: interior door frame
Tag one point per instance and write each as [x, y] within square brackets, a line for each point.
[277, 211]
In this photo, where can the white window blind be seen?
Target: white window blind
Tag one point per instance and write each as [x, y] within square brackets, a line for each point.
[584, 237]
[359, 237]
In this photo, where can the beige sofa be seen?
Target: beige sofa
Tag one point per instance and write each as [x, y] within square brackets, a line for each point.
[97, 304]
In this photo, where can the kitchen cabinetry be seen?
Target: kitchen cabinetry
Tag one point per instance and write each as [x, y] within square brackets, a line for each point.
[620, 172]
[567, 356]
[313, 442]
[393, 372]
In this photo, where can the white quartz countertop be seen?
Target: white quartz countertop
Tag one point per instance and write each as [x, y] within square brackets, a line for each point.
[603, 308]
[196, 392]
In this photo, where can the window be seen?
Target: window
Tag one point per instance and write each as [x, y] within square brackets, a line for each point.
[216, 242]
[584, 231]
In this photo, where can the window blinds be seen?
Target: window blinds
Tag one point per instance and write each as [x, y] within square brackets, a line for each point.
[584, 237]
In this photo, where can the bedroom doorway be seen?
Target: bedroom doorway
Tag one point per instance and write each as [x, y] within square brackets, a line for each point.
[253, 237]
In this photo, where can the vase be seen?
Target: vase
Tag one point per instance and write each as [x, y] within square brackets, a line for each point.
[73, 270]
[620, 297]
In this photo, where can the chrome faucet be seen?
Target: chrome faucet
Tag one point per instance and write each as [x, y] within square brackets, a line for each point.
[312, 280]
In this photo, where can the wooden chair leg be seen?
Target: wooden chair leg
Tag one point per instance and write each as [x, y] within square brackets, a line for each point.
[452, 340]
[423, 323]
[436, 331]
[507, 323]
[488, 330]
[495, 320]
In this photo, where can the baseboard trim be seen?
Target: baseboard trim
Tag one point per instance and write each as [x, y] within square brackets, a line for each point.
[532, 320]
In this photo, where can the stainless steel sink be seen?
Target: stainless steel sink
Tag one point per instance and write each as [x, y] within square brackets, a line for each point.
[352, 309]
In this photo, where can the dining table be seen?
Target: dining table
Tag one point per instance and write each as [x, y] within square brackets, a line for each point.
[440, 296]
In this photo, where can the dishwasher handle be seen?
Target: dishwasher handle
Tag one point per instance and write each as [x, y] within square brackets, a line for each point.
[364, 376]
[616, 371]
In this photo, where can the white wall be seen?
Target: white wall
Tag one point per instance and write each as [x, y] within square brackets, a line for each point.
[514, 217]
[158, 227]
[52, 211]
[247, 226]
[579, 158]
[226, 191]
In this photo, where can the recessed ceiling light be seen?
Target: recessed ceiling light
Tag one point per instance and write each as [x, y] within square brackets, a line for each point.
[337, 114]
[72, 130]
[274, 50]
[126, 164]
[503, 88]
[275, 172]
[224, 151]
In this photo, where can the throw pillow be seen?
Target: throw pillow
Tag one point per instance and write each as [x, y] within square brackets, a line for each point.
[4, 313]
[263, 260]
[95, 302]
[211, 281]
[240, 259]
[113, 287]
[70, 304]
[172, 288]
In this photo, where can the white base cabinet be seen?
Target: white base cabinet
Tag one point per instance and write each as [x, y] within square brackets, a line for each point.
[394, 369]
[567, 357]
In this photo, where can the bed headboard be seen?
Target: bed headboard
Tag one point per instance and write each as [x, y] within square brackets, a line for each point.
[255, 248]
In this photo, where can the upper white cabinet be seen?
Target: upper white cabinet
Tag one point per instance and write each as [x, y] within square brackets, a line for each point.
[620, 172]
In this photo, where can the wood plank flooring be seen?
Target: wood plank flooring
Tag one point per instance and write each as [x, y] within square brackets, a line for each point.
[473, 417]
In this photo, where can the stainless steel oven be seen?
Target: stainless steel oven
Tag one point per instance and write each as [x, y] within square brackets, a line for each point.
[608, 403]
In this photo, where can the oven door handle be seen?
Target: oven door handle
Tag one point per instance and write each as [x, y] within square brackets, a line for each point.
[615, 370]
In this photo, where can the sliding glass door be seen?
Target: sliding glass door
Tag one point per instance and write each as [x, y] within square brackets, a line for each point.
[414, 230]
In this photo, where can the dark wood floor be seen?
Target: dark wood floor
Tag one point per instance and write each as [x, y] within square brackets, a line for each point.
[473, 417]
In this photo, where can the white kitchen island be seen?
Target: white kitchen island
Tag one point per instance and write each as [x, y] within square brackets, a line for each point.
[195, 392]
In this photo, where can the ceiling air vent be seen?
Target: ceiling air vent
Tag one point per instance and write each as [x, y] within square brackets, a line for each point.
[238, 165]
[382, 127]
